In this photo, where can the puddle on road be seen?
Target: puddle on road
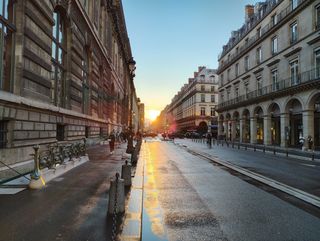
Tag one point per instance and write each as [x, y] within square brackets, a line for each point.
[153, 226]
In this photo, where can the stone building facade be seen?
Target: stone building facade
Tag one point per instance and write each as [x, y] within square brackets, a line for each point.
[64, 73]
[269, 76]
[193, 108]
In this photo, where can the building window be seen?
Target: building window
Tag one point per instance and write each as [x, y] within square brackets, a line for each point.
[222, 98]
[228, 74]
[58, 58]
[294, 72]
[60, 132]
[246, 63]
[293, 32]
[317, 63]
[212, 88]
[87, 131]
[7, 29]
[274, 45]
[294, 4]
[259, 55]
[274, 19]
[246, 89]
[318, 16]
[236, 92]
[228, 94]
[203, 88]
[202, 78]
[237, 69]
[213, 98]
[222, 79]
[3, 134]
[85, 82]
[259, 85]
[203, 111]
[274, 76]
[212, 79]
[203, 98]
[85, 4]
[212, 112]
[258, 32]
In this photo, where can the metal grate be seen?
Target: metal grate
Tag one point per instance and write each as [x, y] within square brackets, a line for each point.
[3, 134]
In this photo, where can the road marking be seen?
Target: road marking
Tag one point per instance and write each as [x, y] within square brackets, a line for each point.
[308, 165]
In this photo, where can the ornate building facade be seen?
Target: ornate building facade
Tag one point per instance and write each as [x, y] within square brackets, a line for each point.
[269, 75]
[193, 108]
[64, 73]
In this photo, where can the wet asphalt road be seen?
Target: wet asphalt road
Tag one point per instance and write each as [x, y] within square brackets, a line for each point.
[301, 174]
[189, 198]
[72, 207]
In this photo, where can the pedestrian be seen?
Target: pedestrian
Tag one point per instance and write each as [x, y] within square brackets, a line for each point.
[112, 138]
[209, 140]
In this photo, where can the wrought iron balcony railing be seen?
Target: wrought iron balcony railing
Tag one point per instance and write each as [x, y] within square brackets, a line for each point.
[293, 81]
[251, 41]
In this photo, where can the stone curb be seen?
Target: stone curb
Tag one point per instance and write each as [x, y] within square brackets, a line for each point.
[132, 228]
[304, 196]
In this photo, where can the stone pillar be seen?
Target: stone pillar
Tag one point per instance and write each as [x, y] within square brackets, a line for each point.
[241, 131]
[233, 130]
[284, 123]
[267, 130]
[253, 130]
[225, 124]
[308, 126]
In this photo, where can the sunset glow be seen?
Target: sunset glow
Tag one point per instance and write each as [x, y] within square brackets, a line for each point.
[152, 114]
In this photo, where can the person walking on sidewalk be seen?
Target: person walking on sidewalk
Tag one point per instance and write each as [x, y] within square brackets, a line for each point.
[209, 140]
[112, 138]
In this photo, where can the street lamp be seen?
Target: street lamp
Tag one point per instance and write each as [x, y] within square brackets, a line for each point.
[132, 68]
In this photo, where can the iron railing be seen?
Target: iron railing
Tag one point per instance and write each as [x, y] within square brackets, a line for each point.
[287, 83]
[251, 41]
[3, 134]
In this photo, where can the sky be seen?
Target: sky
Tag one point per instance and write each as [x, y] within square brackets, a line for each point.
[171, 38]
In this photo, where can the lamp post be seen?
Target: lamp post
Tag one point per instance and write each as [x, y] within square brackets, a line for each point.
[132, 68]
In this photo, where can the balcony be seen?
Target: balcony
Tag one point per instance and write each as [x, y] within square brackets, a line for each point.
[264, 31]
[294, 83]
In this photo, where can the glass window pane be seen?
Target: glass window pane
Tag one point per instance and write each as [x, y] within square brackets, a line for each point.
[60, 55]
[60, 31]
[5, 4]
[54, 29]
[53, 51]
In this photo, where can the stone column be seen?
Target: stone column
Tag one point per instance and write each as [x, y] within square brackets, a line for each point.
[225, 124]
[284, 122]
[241, 131]
[233, 130]
[308, 126]
[267, 130]
[253, 130]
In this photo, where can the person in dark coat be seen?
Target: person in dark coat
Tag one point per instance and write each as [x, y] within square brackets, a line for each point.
[209, 140]
[112, 138]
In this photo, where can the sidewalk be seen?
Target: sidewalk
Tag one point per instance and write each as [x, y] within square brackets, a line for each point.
[70, 207]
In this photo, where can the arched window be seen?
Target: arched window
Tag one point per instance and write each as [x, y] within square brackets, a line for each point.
[58, 58]
[7, 29]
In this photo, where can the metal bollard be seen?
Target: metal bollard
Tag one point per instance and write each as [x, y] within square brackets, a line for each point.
[238, 146]
[37, 181]
[264, 149]
[232, 144]
[254, 147]
[116, 196]
[126, 174]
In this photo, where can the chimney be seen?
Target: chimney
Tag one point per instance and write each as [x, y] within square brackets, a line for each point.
[249, 11]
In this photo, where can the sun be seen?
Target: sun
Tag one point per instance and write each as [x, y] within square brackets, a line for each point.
[152, 114]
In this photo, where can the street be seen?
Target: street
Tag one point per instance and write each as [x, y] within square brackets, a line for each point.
[190, 198]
